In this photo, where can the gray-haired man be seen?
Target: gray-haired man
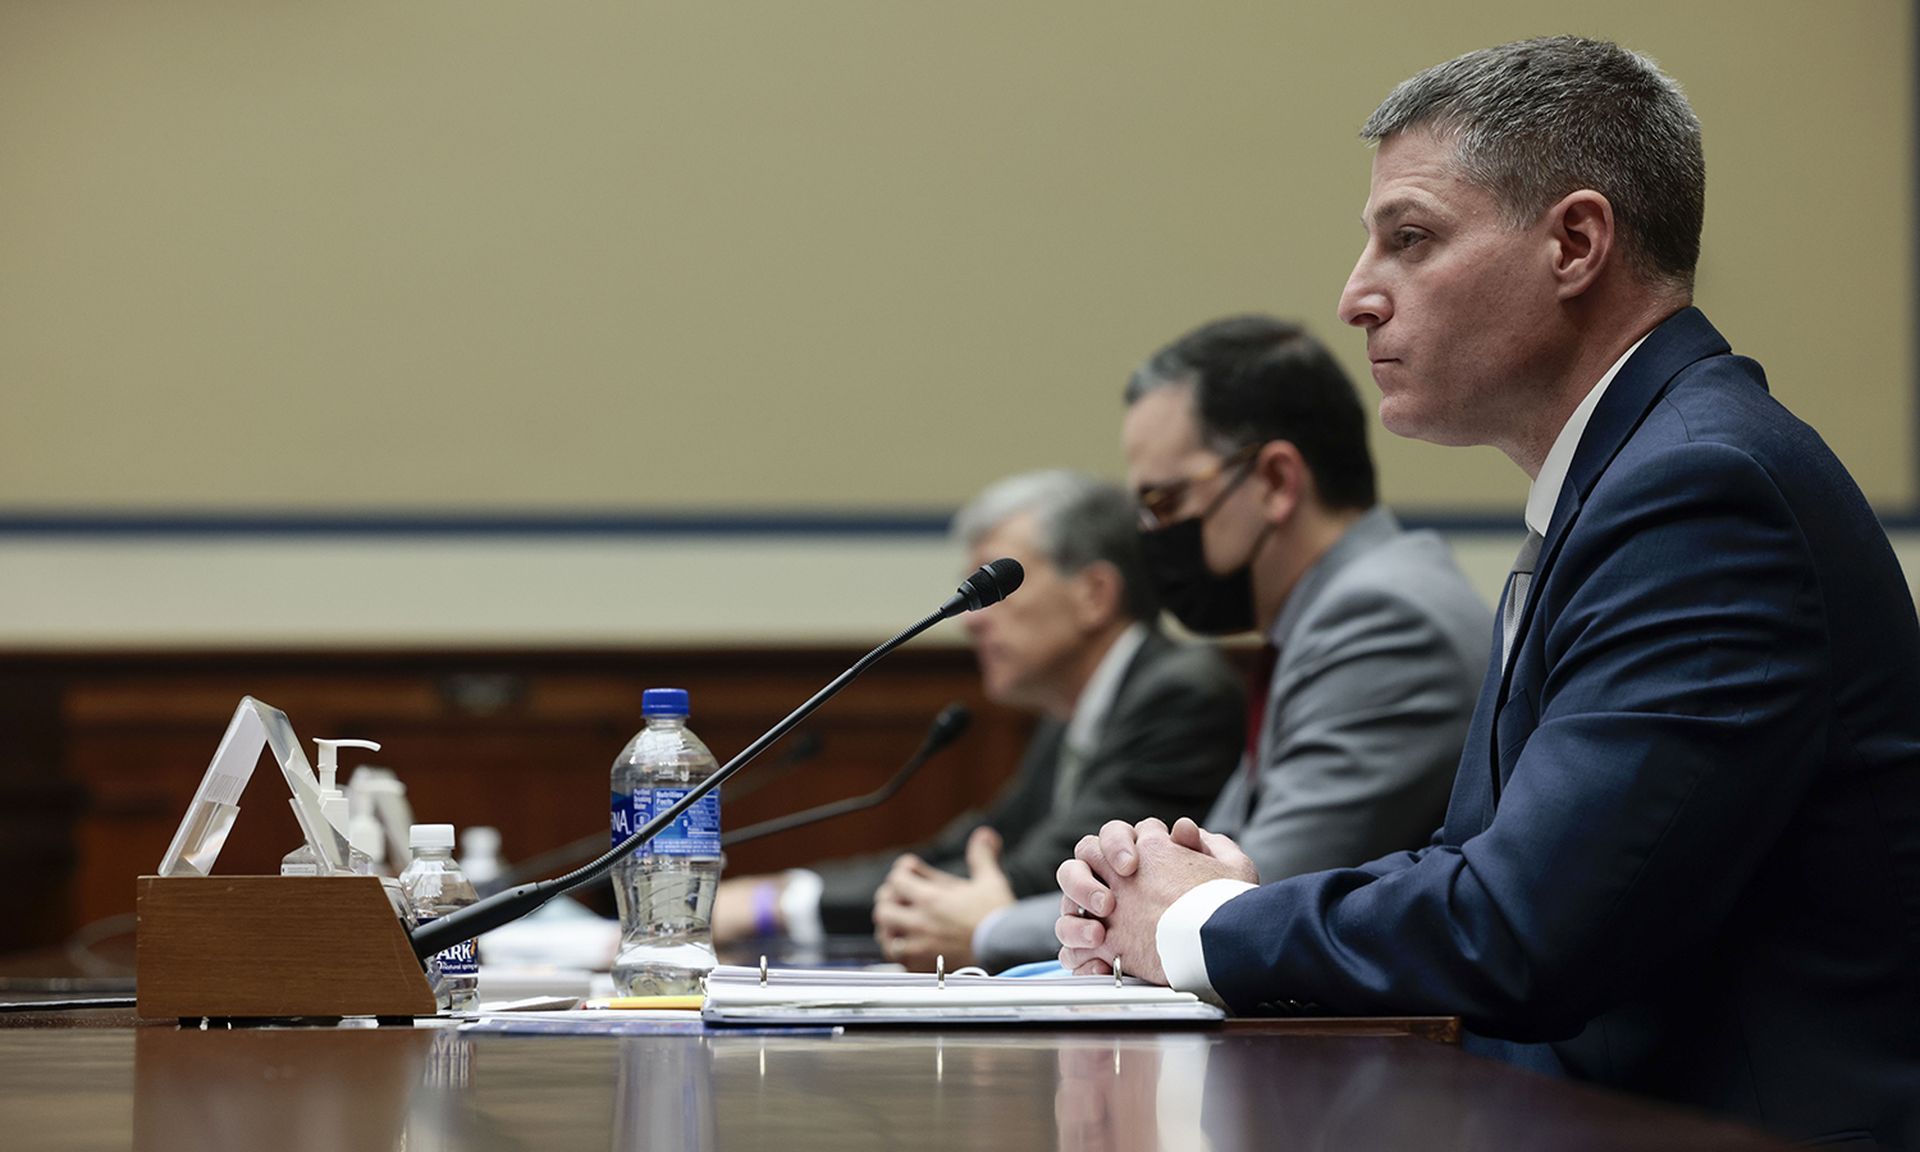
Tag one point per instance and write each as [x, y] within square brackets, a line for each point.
[1133, 725]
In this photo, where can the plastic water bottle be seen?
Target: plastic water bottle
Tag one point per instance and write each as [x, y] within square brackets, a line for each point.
[665, 890]
[480, 858]
[435, 886]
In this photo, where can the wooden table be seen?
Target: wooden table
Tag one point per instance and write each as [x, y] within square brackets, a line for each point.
[98, 1080]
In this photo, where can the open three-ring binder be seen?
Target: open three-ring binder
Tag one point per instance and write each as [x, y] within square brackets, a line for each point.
[741, 995]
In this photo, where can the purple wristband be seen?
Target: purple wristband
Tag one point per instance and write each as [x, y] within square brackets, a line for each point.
[766, 909]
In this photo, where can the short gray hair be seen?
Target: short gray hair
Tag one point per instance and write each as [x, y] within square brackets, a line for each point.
[1534, 120]
[1080, 520]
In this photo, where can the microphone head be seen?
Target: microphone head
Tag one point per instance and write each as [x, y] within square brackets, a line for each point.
[950, 725]
[992, 583]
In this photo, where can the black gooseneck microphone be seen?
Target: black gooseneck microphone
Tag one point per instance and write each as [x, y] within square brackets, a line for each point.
[989, 585]
[949, 726]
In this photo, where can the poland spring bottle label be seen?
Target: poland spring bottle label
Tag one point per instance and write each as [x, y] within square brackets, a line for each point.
[455, 960]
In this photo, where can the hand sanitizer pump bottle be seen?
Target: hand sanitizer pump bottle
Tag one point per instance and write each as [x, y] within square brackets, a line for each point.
[333, 804]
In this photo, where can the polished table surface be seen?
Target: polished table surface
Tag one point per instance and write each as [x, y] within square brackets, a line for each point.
[87, 1080]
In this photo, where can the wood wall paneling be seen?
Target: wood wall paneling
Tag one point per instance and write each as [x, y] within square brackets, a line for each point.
[519, 740]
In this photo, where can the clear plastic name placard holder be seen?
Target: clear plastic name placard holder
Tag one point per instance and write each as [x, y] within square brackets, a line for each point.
[268, 946]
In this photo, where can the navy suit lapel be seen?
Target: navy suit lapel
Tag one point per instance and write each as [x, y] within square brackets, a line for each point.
[1682, 339]
[1470, 807]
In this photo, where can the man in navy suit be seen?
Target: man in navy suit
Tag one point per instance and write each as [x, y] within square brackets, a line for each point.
[1682, 853]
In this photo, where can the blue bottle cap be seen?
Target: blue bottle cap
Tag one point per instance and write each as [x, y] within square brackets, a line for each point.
[663, 702]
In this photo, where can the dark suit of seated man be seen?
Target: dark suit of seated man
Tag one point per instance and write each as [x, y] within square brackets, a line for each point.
[1682, 855]
[1133, 724]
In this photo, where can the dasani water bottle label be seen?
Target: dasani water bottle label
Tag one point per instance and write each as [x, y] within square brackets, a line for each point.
[623, 822]
[695, 832]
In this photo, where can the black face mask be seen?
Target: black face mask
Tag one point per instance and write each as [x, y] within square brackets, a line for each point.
[1205, 603]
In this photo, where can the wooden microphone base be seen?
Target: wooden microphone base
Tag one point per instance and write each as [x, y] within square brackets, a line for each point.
[274, 946]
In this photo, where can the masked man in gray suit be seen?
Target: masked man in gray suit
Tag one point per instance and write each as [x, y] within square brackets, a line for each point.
[1247, 448]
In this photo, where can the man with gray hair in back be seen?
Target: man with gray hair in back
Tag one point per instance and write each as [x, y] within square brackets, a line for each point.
[1682, 854]
[1132, 725]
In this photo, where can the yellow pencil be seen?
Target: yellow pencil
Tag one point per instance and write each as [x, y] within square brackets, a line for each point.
[692, 1001]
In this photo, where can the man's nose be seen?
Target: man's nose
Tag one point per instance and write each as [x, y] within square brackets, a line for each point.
[1363, 303]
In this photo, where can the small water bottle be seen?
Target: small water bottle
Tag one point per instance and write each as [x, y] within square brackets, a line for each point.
[435, 886]
[665, 890]
[480, 858]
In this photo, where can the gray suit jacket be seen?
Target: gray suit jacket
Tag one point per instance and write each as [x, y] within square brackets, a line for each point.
[1169, 741]
[1382, 647]
[1383, 644]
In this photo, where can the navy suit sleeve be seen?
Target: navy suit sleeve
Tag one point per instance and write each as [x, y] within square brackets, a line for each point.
[1659, 735]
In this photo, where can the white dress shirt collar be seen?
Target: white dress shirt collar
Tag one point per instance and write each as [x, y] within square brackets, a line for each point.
[1545, 493]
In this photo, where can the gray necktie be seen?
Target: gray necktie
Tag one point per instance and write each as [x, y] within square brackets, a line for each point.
[1514, 601]
[1066, 775]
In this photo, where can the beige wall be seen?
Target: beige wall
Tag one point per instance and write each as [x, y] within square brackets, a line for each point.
[489, 255]
[480, 255]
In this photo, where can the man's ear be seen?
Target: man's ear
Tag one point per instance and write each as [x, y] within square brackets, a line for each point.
[1581, 235]
[1284, 472]
[1098, 596]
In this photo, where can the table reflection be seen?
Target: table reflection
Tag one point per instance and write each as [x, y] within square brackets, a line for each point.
[421, 1090]
[665, 1095]
[298, 1090]
[1132, 1095]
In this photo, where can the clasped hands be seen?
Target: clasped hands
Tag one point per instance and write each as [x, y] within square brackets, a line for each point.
[1119, 883]
[921, 913]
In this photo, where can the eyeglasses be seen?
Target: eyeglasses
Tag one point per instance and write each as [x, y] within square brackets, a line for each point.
[1160, 502]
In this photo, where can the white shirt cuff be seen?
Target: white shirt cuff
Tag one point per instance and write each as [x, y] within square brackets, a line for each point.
[983, 929]
[800, 906]
[1177, 936]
